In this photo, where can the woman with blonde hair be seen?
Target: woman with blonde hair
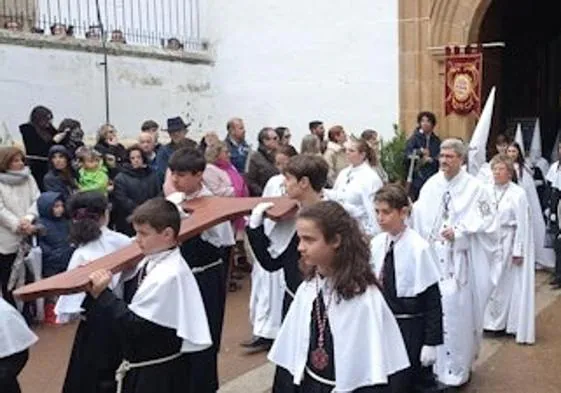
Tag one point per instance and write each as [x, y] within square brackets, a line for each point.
[310, 145]
[114, 153]
[356, 185]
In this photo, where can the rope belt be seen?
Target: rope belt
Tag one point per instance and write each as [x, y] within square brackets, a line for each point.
[126, 366]
[290, 293]
[318, 378]
[201, 269]
[408, 316]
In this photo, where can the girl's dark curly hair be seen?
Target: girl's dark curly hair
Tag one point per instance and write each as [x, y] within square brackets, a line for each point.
[352, 273]
[86, 210]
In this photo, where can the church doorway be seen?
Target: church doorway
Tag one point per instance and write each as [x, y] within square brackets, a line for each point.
[527, 71]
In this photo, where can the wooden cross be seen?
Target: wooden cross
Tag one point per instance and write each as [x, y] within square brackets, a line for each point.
[204, 213]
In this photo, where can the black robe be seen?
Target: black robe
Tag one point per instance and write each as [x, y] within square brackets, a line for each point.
[309, 384]
[143, 340]
[212, 284]
[288, 261]
[420, 321]
[95, 356]
[10, 367]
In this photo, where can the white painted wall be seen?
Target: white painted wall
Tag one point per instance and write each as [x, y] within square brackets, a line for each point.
[71, 84]
[289, 62]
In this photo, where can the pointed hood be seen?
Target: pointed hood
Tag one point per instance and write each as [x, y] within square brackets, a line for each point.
[478, 143]
[519, 139]
[536, 146]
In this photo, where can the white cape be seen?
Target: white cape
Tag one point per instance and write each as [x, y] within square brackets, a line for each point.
[554, 176]
[354, 189]
[367, 342]
[169, 296]
[511, 305]
[69, 306]
[15, 335]
[267, 288]
[415, 266]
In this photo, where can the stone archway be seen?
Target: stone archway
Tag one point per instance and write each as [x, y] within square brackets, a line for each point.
[424, 27]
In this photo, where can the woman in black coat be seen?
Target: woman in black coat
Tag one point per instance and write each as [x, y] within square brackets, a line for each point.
[135, 184]
[37, 138]
[61, 177]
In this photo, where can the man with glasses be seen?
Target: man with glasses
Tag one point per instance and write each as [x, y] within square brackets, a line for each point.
[455, 214]
[261, 162]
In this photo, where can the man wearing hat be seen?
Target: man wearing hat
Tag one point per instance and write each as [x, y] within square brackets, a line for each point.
[177, 130]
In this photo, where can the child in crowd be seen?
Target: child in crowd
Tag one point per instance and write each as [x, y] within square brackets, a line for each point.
[339, 334]
[96, 352]
[92, 175]
[53, 240]
[166, 319]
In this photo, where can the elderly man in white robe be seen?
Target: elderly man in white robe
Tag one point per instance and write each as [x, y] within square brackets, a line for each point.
[511, 305]
[454, 213]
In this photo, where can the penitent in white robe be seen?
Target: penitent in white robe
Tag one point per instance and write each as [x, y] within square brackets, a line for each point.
[463, 204]
[543, 256]
[267, 288]
[511, 305]
[354, 189]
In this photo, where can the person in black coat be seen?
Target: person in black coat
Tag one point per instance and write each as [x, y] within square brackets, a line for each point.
[61, 177]
[37, 137]
[424, 144]
[135, 184]
[114, 154]
[72, 135]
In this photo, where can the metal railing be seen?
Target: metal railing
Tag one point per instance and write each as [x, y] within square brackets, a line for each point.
[172, 24]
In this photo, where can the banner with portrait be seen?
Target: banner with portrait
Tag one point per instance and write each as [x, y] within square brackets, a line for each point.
[463, 81]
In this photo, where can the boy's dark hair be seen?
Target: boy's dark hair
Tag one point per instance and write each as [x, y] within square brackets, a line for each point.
[159, 213]
[280, 131]
[352, 273]
[148, 125]
[394, 195]
[187, 159]
[314, 124]
[313, 167]
[429, 115]
[86, 210]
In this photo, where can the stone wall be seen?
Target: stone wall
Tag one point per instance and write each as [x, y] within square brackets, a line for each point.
[66, 75]
[425, 26]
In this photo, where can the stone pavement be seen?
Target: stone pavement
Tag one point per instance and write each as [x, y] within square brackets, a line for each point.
[502, 366]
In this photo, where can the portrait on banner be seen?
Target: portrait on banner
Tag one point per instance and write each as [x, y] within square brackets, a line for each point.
[463, 82]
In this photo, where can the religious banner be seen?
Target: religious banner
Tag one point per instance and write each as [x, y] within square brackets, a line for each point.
[462, 91]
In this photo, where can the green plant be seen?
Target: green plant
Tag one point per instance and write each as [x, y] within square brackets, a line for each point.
[393, 156]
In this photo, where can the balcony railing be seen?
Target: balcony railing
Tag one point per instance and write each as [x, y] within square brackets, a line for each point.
[173, 24]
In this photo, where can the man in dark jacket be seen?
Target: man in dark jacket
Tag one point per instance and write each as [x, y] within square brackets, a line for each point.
[425, 146]
[238, 147]
[262, 162]
[177, 130]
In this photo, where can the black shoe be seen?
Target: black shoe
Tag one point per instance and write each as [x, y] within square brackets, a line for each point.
[555, 281]
[257, 344]
[556, 286]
